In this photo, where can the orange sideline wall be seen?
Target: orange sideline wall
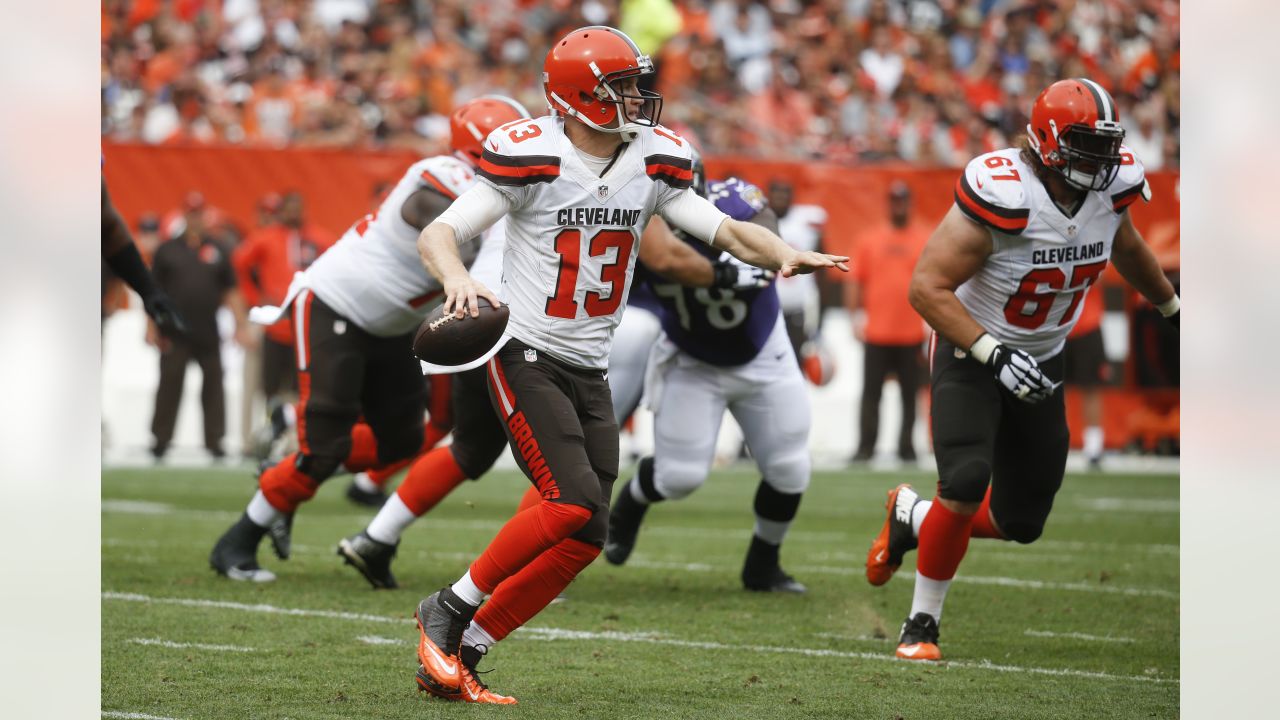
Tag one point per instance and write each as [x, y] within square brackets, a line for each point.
[338, 185]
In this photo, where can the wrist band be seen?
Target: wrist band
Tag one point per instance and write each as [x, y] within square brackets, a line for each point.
[1169, 307]
[983, 347]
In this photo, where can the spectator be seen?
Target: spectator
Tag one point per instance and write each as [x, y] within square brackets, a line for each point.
[194, 271]
[884, 322]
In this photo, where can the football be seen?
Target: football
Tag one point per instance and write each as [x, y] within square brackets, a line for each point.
[452, 340]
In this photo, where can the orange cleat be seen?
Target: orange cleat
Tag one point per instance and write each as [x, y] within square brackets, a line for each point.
[441, 619]
[895, 538]
[473, 689]
[919, 639]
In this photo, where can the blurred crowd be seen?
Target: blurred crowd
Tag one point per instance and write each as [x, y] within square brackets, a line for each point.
[928, 82]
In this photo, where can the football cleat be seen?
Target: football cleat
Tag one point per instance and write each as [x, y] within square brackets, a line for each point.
[895, 538]
[371, 558]
[473, 689]
[919, 640]
[281, 534]
[367, 498]
[624, 526]
[763, 573]
[442, 618]
[235, 555]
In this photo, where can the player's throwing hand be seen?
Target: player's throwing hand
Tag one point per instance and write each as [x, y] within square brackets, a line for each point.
[802, 263]
[460, 293]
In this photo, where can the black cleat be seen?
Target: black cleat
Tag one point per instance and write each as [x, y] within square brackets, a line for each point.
[919, 639]
[763, 573]
[367, 498]
[371, 558]
[624, 525]
[236, 553]
[281, 534]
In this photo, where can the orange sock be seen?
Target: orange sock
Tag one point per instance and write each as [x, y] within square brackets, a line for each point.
[431, 477]
[518, 598]
[285, 486]
[524, 538]
[944, 538]
[982, 525]
[364, 449]
[530, 498]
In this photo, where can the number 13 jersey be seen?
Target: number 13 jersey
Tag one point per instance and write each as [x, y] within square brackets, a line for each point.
[572, 235]
[1029, 292]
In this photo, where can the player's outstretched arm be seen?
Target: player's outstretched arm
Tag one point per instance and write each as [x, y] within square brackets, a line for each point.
[1138, 266]
[665, 254]
[954, 253]
[756, 245]
[122, 256]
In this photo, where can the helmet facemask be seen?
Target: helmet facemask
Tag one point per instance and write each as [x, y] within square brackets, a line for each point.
[612, 89]
[1089, 158]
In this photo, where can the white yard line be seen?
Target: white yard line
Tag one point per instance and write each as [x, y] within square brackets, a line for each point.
[1077, 636]
[379, 640]
[132, 715]
[1133, 505]
[542, 633]
[195, 646]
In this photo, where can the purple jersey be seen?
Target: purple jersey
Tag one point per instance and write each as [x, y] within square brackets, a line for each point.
[717, 326]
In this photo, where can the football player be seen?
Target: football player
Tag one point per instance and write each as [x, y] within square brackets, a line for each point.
[478, 436]
[355, 310]
[577, 188]
[724, 350]
[1001, 281]
[121, 255]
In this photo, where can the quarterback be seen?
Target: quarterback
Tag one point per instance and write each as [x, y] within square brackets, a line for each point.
[1002, 281]
[577, 188]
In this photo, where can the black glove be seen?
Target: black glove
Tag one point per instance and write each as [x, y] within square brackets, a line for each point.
[165, 315]
[731, 275]
[1016, 370]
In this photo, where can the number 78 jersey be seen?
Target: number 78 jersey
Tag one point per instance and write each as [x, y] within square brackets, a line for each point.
[1030, 290]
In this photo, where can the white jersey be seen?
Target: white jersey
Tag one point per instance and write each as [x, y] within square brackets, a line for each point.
[572, 236]
[373, 275]
[1029, 292]
[801, 228]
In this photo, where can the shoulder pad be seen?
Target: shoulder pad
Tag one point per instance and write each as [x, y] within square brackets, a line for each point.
[520, 153]
[445, 174]
[991, 192]
[736, 198]
[1130, 183]
[668, 157]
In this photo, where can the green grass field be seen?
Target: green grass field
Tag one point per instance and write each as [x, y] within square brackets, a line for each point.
[1082, 624]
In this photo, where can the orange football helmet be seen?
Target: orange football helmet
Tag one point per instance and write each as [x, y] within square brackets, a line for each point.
[581, 75]
[1075, 129]
[472, 122]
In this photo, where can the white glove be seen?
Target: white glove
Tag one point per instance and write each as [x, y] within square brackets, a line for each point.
[1016, 370]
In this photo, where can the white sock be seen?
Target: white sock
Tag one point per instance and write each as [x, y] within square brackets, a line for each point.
[1093, 441]
[928, 596]
[261, 512]
[477, 637]
[363, 482]
[917, 515]
[391, 520]
[636, 493]
[771, 531]
[467, 589]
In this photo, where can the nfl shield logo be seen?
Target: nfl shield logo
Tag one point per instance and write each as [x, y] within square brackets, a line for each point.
[602, 192]
[530, 355]
[1071, 230]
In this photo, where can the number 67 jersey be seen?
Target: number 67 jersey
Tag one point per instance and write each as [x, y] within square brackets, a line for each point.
[1030, 290]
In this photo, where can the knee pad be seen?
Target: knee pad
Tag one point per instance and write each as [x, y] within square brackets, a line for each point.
[402, 444]
[789, 473]
[595, 530]
[966, 482]
[1021, 531]
[676, 479]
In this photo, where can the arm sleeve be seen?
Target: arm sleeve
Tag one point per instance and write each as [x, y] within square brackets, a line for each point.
[475, 210]
[693, 214]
